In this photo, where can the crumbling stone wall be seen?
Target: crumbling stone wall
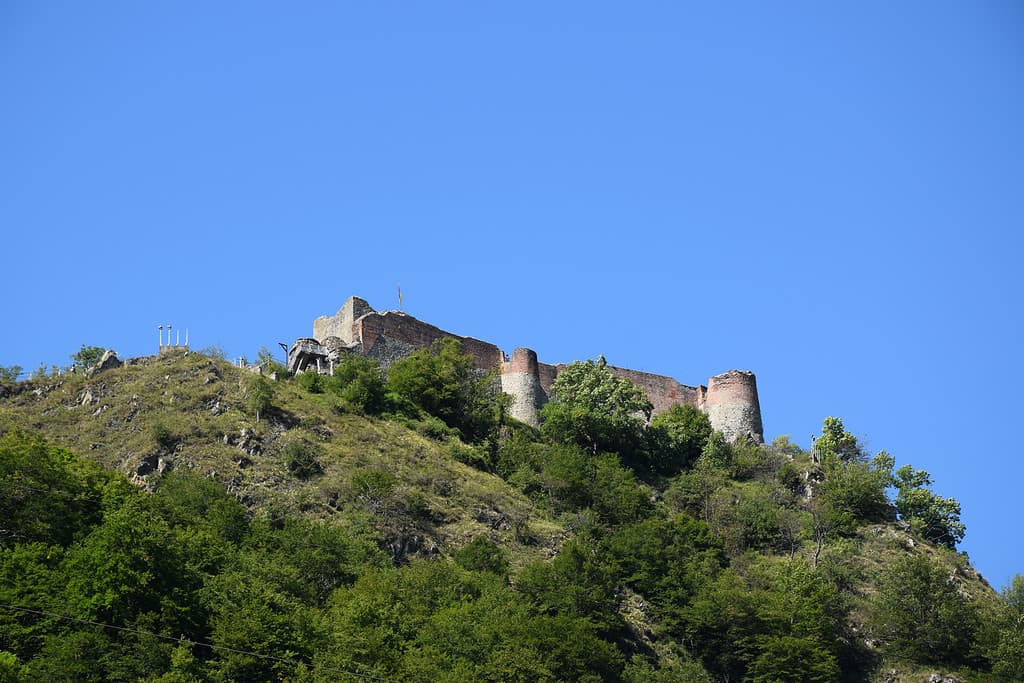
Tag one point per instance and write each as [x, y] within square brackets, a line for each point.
[730, 399]
[398, 329]
[663, 392]
[732, 406]
[520, 379]
[342, 323]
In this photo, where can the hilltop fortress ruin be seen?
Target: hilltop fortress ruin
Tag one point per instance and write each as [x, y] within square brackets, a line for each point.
[729, 400]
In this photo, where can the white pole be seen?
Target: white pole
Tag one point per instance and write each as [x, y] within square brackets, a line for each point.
[177, 338]
[186, 336]
[160, 332]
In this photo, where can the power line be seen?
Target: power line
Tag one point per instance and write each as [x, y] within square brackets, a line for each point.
[290, 662]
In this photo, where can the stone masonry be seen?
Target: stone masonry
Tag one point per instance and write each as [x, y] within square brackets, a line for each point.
[730, 399]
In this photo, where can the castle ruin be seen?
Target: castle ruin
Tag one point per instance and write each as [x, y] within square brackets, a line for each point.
[729, 400]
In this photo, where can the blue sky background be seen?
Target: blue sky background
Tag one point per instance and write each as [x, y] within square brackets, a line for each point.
[830, 196]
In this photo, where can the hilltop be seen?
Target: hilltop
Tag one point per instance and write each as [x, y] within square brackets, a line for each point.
[379, 526]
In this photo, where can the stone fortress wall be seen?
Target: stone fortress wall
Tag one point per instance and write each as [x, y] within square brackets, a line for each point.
[730, 399]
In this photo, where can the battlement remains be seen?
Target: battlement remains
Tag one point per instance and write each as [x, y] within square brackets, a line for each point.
[730, 399]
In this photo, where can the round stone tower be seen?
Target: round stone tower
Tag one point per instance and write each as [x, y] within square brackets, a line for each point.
[520, 379]
[732, 406]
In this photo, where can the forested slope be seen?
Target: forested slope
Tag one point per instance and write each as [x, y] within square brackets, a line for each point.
[180, 519]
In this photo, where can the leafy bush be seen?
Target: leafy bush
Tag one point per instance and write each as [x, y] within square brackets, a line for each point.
[163, 437]
[442, 381]
[86, 357]
[483, 555]
[359, 382]
[596, 409]
[677, 437]
[311, 381]
[859, 488]
[260, 396]
[921, 614]
[302, 459]
[934, 517]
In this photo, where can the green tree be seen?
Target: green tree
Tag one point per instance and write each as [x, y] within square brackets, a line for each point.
[483, 555]
[1008, 654]
[302, 459]
[359, 382]
[86, 357]
[10, 373]
[261, 396]
[47, 493]
[596, 409]
[265, 359]
[677, 437]
[859, 488]
[921, 614]
[936, 518]
[836, 442]
[442, 381]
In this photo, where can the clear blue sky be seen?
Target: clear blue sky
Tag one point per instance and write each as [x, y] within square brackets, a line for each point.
[830, 195]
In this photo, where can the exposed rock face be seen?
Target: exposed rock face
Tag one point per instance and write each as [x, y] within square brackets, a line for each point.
[730, 399]
[107, 362]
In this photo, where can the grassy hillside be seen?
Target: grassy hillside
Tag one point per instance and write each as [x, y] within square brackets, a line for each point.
[189, 411]
[392, 544]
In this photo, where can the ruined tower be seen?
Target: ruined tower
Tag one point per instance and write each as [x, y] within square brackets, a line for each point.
[730, 399]
[732, 406]
[342, 323]
[520, 379]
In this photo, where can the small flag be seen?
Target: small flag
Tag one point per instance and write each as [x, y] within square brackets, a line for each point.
[399, 296]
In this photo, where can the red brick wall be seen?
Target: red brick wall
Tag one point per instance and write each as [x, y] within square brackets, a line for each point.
[409, 330]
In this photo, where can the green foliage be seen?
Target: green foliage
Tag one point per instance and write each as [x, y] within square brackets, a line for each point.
[579, 583]
[86, 357]
[779, 627]
[717, 451]
[442, 381]
[858, 488]
[359, 382]
[46, 493]
[433, 621]
[596, 409]
[261, 396]
[302, 459]
[593, 566]
[936, 518]
[214, 351]
[696, 491]
[750, 460]
[483, 555]
[312, 381]
[667, 560]
[265, 359]
[677, 437]
[921, 613]
[10, 373]
[162, 436]
[186, 499]
[1008, 652]
[10, 668]
[565, 478]
[836, 443]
